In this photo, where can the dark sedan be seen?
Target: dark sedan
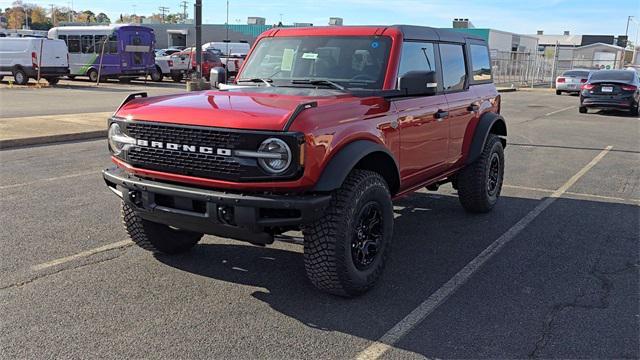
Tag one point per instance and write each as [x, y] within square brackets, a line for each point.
[611, 89]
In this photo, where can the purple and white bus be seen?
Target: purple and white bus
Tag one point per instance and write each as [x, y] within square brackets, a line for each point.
[115, 51]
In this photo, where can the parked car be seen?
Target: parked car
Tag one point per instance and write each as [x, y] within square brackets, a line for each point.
[571, 81]
[115, 51]
[232, 54]
[166, 52]
[184, 63]
[21, 57]
[611, 89]
[320, 141]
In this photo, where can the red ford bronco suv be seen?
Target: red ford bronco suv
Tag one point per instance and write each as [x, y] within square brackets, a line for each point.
[322, 129]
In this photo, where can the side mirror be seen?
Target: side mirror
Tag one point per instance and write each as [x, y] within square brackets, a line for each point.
[217, 76]
[419, 83]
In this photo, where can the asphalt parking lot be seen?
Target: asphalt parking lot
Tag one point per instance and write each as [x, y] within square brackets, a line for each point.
[552, 272]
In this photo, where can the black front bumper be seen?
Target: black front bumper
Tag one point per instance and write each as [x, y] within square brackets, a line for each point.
[249, 217]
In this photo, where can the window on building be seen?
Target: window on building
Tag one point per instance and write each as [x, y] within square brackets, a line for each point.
[481, 63]
[417, 56]
[454, 70]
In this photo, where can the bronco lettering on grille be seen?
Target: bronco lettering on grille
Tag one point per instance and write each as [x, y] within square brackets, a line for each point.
[183, 147]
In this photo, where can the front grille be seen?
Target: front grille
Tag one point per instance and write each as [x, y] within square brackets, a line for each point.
[212, 166]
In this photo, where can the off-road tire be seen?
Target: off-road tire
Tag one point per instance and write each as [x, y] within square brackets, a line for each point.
[582, 110]
[474, 180]
[328, 258]
[157, 238]
[20, 77]
[558, 92]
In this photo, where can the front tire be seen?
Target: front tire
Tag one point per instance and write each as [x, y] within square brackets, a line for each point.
[582, 110]
[157, 238]
[558, 92]
[53, 81]
[480, 183]
[345, 251]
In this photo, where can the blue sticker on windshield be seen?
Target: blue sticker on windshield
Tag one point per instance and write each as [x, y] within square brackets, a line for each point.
[375, 44]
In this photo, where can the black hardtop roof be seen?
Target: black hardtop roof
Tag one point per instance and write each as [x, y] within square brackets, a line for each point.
[413, 32]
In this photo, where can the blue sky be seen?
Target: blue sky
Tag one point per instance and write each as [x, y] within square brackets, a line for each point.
[553, 16]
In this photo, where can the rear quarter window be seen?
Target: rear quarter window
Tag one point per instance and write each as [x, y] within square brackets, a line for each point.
[454, 69]
[481, 63]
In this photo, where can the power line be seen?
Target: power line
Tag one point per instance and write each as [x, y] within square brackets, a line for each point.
[163, 9]
[184, 9]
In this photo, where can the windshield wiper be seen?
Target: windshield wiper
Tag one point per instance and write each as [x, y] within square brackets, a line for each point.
[258, 80]
[320, 82]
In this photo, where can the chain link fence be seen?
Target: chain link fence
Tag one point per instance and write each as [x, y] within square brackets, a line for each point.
[524, 69]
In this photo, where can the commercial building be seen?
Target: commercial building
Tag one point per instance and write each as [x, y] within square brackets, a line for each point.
[498, 40]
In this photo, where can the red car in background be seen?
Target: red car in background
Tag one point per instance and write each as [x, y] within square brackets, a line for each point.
[184, 63]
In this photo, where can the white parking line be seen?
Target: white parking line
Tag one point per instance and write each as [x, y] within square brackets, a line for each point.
[572, 193]
[558, 111]
[112, 246]
[92, 172]
[384, 343]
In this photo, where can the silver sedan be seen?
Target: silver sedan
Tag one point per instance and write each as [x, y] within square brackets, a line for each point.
[571, 80]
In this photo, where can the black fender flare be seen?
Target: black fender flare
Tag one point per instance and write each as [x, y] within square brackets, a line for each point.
[487, 122]
[339, 167]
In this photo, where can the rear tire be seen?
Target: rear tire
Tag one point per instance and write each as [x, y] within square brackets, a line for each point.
[53, 81]
[480, 183]
[93, 75]
[345, 251]
[157, 238]
[634, 110]
[176, 78]
[558, 92]
[156, 75]
[582, 110]
[20, 77]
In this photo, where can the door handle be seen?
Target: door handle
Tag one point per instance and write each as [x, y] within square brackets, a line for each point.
[441, 114]
[473, 107]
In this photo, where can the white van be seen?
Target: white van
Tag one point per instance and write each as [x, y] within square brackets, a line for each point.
[20, 58]
[232, 53]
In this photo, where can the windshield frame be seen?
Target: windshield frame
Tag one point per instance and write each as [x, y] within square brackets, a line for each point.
[386, 43]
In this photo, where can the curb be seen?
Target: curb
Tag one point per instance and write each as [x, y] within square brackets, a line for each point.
[52, 139]
[507, 90]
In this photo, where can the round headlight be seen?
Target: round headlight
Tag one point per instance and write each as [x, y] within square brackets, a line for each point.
[118, 140]
[282, 156]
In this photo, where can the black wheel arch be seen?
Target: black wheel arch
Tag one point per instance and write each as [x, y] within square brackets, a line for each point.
[359, 154]
[489, 123]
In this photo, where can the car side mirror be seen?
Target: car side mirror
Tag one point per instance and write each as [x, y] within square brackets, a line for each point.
[418, 83]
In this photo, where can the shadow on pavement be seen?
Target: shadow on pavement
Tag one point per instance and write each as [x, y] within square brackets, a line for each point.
[434, 238]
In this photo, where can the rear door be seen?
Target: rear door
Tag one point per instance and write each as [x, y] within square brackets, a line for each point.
[460, 98]
[54, 54]
[424, 137]
[138, 49]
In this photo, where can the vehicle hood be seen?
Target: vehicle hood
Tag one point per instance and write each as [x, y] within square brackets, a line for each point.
[253, 108]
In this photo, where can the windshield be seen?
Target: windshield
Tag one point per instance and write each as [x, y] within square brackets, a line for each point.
[613, 75]
[351, 61]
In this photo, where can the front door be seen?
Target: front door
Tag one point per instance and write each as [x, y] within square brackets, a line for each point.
[424, 134]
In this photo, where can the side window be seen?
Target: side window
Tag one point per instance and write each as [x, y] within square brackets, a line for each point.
[481, 63]
[454, 70]
[417, 56]
[87, 43]
[100, 42]
[73, 42]
[113, 44]
[63, 37]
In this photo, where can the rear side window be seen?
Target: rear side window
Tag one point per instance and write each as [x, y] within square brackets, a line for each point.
[87, 44]
[73, 43]
[481, 63]
[417, 56]
[63, 37]
[454, 70]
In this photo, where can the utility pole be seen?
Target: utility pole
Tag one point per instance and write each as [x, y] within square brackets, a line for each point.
[163, 9]
[184, 10]
[198, 16]
[53, 14]
[626, 31]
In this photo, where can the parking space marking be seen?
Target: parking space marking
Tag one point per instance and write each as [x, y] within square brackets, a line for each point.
[518, 187]
[86, 253]
[559, 111]
[92, 172]
[384, 343]
[527, 188]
